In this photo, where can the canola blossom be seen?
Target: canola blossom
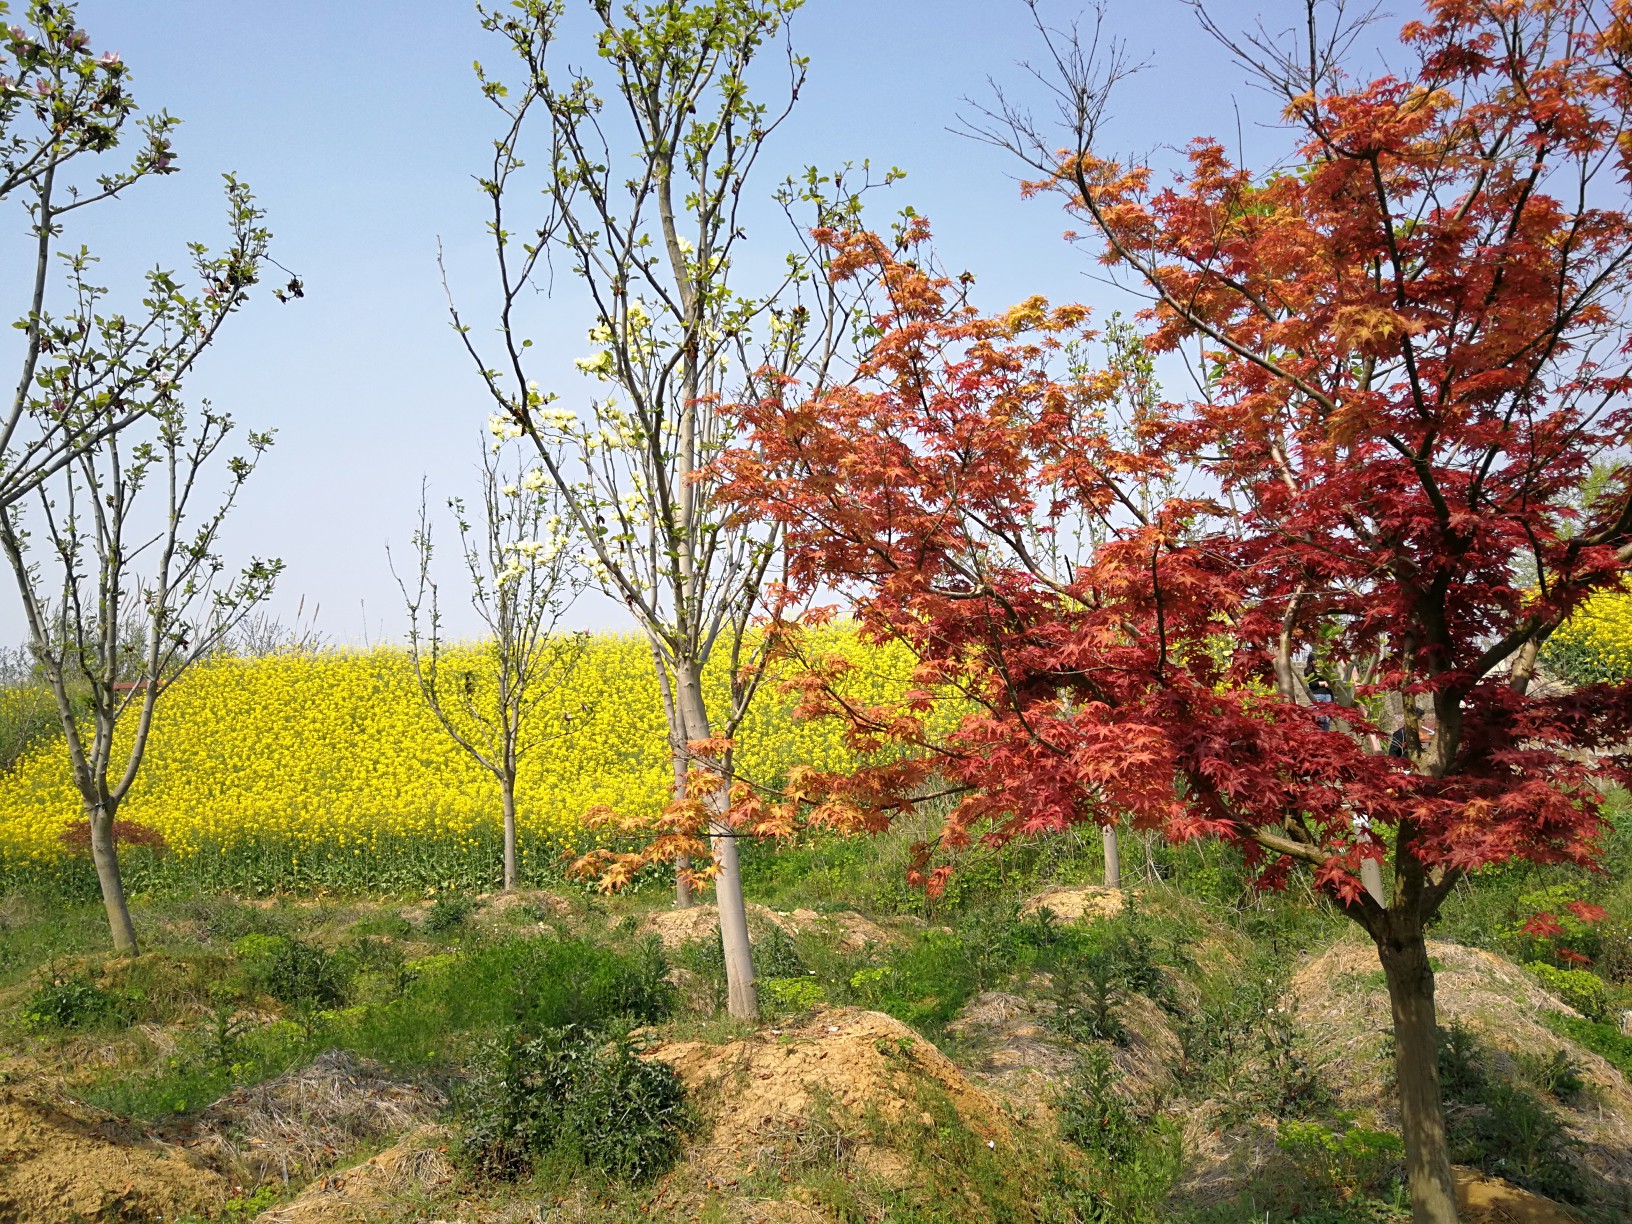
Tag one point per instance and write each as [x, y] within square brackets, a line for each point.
[337, 752]
[1596, 642]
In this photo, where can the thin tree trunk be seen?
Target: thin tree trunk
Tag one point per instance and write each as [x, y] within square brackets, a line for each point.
[508, 785]
[682, 862]
[742, 998]
[1371, 876]
[1404, 956]
[106, 857]
[742, 994]
[1113, 858]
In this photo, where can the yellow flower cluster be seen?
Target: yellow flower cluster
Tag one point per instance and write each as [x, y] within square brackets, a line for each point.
[1596, 642]
[338, 749]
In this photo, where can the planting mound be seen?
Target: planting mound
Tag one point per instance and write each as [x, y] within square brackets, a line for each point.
[311, 1118]
[1010, 1045]
[1490, 1200]
[1341, 1002]
[380, 1186]
[1077, 902]
[61, 1165]
[771, 1097]
[676, 927]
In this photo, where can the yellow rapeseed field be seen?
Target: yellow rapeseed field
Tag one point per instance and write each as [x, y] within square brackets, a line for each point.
[337, 749]
[1598, 638]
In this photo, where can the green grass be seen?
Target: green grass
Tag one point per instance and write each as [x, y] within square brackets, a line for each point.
[1604, 1040]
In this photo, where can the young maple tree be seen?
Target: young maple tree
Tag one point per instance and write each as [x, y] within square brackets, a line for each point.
[1414, 348]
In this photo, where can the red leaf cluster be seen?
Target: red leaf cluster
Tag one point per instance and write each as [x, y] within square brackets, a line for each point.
[1415, 348]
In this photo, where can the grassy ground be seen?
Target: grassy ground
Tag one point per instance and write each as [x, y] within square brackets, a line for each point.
[1159, 1016]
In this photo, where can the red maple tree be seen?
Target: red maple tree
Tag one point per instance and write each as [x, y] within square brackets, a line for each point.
[1415, 348]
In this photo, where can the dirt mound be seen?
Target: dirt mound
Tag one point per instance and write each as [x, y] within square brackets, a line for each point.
[1340, 1001]
[1077, 902]
[308, 1119]
[849, 930]
[792, 1096]
[675, 928]
[502, 906]
[381, 1185]
[59, 1163]
[1008, 1046]
[1005, 1043]
[1490, 1200]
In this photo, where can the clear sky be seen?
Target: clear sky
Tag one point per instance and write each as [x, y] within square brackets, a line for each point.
[359, 126]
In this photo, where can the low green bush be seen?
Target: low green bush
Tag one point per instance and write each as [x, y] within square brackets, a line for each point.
[791, 994]
[1092, 1113]
[1586, 992]
[574, 1092]
[1339, 1164]
[297, 974]
[449, 912]
[71, 1003]
[1500, 1127]
[1604, 1040]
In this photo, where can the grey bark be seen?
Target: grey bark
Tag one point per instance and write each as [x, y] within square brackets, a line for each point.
[105, 854]
[508, 784]
[742, 996]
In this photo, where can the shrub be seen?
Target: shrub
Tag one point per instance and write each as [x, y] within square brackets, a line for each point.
[1604, 1040]
[1338, 1164]
[77, 837]
[449, 912]
[294, 973]
[792, 994]
[1586, 992]
[1092, 1113]
[1499, 1127]
[70, 1003]
[1085, 998]
[571, 1090]
[1555, 1074]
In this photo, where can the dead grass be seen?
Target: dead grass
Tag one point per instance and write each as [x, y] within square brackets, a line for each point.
[381, 1188]
[298, 1123]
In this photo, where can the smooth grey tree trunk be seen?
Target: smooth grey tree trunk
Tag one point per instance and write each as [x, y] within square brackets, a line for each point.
[682, 863]
[742, 997]
[1371, 876]
[508, 785]
[1404, 957]
[1113, 858]
[105, 854]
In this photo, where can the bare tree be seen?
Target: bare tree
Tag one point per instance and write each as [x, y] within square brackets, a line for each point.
[643, 202]
[521, 576]
[125, 594]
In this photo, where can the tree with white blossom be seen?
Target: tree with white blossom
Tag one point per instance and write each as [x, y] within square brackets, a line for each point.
[517, 553]
[642, 201]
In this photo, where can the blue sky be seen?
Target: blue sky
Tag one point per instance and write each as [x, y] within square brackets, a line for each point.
[359, 126]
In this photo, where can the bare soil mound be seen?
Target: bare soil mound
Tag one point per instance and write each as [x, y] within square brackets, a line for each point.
[500, 908]
[307, 1120]
[1341, 1002]
[59, 1163]
[1009, 1046]
[381, 1188]
[781, 1096]
[1490, 1200]
[849, 930]
[1077, 902]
